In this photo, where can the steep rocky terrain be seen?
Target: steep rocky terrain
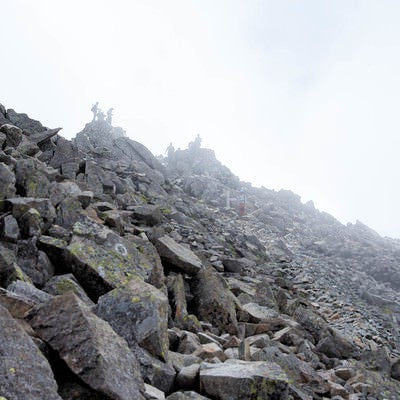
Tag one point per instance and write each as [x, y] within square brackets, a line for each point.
[125, 276]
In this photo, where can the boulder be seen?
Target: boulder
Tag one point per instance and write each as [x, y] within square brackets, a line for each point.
[13, 134]
[213, 301]
[9, 269]
[236, 379]
[32, 178]
[89, 346]
[61, 284]
[139, 313]
[29, 292]
[24, 122]
[34, 262]
[20, 205]
[101, 260]
[24, 371]
[177, 255]
[9, 229]
[147, 214]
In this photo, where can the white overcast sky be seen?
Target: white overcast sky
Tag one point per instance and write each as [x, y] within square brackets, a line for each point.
[301, 95]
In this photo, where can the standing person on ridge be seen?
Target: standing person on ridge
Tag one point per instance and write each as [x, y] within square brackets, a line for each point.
[94, 110]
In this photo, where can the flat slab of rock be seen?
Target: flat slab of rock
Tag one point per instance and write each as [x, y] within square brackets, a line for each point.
[236, 379]
[24, 371]
[89, 346]
[178, 255]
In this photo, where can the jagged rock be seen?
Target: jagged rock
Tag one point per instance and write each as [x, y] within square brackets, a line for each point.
[188, 343]
[31, 223]
[16, 304]
[28, 148]
[69, 211]
[13, 135]
[210, 351]
[188, 376]
[236, 379]
[9, 229]
[29, 292]
[91, 349]
[298, 371]
[41, 138]
[24, 371]
[24, 122]
[213, 300]
[152, 393]
[179, 360]
[335, 345]
[139, 313]
[9, 269]
[235, 265]
[263, 315]
[20, 205]
[34, 262]
[177, 255]
[32, 178]
[61, 284]
[102, 260]
[147, 214]
[7, 182]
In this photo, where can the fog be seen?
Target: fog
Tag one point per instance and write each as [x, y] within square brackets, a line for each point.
[289, 94]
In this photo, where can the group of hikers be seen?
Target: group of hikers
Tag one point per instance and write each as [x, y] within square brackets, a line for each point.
[193, 146]
[98, 115]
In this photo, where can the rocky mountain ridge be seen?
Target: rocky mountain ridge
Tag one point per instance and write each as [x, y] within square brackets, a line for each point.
[126, 276]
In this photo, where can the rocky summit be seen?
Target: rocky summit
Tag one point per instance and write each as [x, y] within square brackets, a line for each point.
[125, 276]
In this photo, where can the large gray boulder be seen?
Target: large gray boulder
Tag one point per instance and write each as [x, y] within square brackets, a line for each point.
[236, 379]
[139, 313]
[89, 346]
[179, 256]
[213, 301]
[24, 371]
[101, 260]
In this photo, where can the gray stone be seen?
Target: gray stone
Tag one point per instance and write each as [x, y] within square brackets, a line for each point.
[9, 229]
[20, 205]
[24, 371]
[139, 313]
[89, 346]
[61, 284]
[236, 379]
[101, 260]
[29, 292]
[177, 255]
[147, 214]
[188, 376]
[34, 262]
[13, 133]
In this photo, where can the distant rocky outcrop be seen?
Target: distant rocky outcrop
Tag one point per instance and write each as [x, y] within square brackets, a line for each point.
[127, 276]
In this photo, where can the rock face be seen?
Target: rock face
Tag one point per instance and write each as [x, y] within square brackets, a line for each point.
[126, 276]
